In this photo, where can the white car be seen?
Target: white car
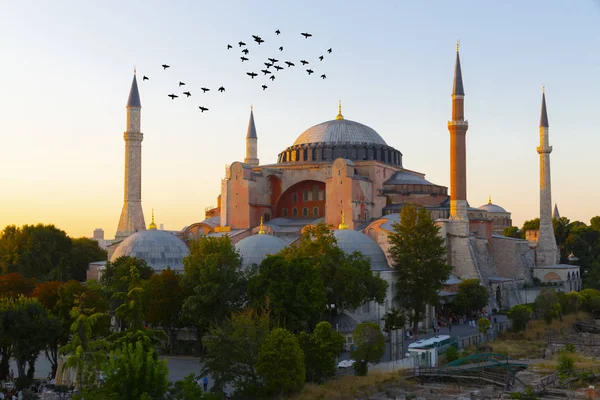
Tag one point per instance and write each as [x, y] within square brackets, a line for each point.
[346, 363]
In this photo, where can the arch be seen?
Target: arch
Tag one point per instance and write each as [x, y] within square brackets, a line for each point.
[305, 194]
[315, 211]
[294, 197]
[499, 297]
[568, 276]
[295, 212]
[284, 212]
[551, 277]
[305, 211]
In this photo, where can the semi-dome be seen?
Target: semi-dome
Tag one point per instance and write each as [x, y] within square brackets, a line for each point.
[340, 131]
[254, 249]
[492, 208]
[159, 249]
[350, 241]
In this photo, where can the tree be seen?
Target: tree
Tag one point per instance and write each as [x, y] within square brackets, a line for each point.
[294, 290]
[369, 346]
[513, 232]
[14, 285]
[471, 296]
[187, 389]
[520, 315]
[394, 319]
[83, 252]
[532, 224]
[320, 351]
[483, 325]
[418, 252]
[548, 304]
[281, 363]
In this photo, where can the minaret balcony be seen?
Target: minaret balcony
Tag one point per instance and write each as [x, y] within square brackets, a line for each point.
[458, 123]
[544, 150]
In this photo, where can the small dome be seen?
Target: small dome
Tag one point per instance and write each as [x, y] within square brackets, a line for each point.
[254, 249]
[159, 249]
[350, 241]
[340, 131]
[492, 208]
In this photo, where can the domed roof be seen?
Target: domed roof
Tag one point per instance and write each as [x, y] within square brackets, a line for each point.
[492, 208]
[340, 131]
[350, 241]
[159, 249]
[254, 249]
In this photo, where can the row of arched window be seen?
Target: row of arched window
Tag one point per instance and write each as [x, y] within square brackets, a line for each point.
[315, 212]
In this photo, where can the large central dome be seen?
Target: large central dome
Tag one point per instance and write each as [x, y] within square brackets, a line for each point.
[340, 131]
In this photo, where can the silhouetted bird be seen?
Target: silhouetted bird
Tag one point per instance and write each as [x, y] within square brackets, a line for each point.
[244, 58]
[204, 90]
[173, 96]
[188, 94]
[165, 66]
[246, 51]
[273, 60]
[329, 50]
[290, 64]
[265, 71]
[145, 78]
[255, 37]
[258, 39]
[281, 48]
[202, 109]
[310, 71]
[323, 76]
[251, 74]
[221, 89]
[278, 68]
[229, 46]
[264, 87]
[306, 35]
[321, 58]
[268, 65]
[241, 44]
[277, 32]
[181, 84]
[272, 77]
[304, 62]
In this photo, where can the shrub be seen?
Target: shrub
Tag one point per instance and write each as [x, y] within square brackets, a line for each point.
[452, 354]
[520, 315]
[565, 365]
[570, 348]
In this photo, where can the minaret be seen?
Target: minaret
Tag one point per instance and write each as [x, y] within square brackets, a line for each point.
[132, 216]
[458, 164]
[555, 213]
[251, 142]
[546, 252]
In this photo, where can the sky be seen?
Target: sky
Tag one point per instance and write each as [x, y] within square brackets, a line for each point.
[67, 67]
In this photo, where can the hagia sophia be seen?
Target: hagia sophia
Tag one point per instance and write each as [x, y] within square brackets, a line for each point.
[343, 173]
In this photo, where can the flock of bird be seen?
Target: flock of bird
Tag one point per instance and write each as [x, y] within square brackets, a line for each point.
[269, 63]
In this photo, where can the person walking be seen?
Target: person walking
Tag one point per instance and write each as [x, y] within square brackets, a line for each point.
[205, 382]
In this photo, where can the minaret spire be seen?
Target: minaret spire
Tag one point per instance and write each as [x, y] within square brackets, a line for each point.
[132, 216]
[251, 142]
[546, 251]
[339, 114]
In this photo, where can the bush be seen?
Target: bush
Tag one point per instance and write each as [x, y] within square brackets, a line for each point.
[520, 315]
[452, 354]
[565, 365]
[570, 348]
[528, 394]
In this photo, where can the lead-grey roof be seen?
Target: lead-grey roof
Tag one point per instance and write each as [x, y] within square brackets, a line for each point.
[350, 241]
[544, 115]
[457, 87]
[254, 249]
[340, 131]
[251, 134]
[406, 178]
[557, 266]
[158, 248]
[492, 208]
[134, 95]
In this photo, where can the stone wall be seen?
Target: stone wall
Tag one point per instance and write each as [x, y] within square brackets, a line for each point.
[513, 257]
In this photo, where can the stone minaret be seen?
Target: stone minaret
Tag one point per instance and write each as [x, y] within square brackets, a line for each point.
[251, 142]
[132, 216]
[546, 251]
[458, 165]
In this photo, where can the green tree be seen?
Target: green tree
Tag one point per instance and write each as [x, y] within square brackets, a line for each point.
[471, 296]
[320, 351]
[293, 289]
[595, 223]
[520, 315]
[187, 389]
[281, 363]
[513, 232]
[369, 346]
[532, 224]
[394, 319]
[419, 253]
[483, 326]
[83, 252]
[547, 303]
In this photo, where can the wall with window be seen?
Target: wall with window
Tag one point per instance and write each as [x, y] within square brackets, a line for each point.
[305, 199]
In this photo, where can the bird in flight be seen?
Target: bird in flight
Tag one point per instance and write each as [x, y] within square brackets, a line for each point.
[304, 62]
[244, 58]
[281, 48]
[268, 65]
[181, 84]
[229, 46]
[323, 76]
[221, 89]
[277, 32]
[310, 71]
[329, 50]
[258, 39]
[145, 78]
[278, 68]
[188, 94]
[264, 87]
[251, 74]
[306, 35]
[321, 58]
[173, 96]
[265, 71]
[246, 51]
[165, 66]
[241, 44]
[290, 64]
[202, 109]
[204, 90]
[272, 77]
[273, 60]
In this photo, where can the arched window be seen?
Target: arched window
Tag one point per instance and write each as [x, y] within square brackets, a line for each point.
[366, 215]
[266, 217]
[294, 212]
[294, 197]
[315, 211]
[305, 212]
[284, 212]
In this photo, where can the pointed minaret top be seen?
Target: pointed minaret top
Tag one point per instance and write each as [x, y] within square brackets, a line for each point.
[251, 128]
[457, 88]
[544, 116]
[152, 226]
[556, 214]
[134, 94]
[339, 114]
